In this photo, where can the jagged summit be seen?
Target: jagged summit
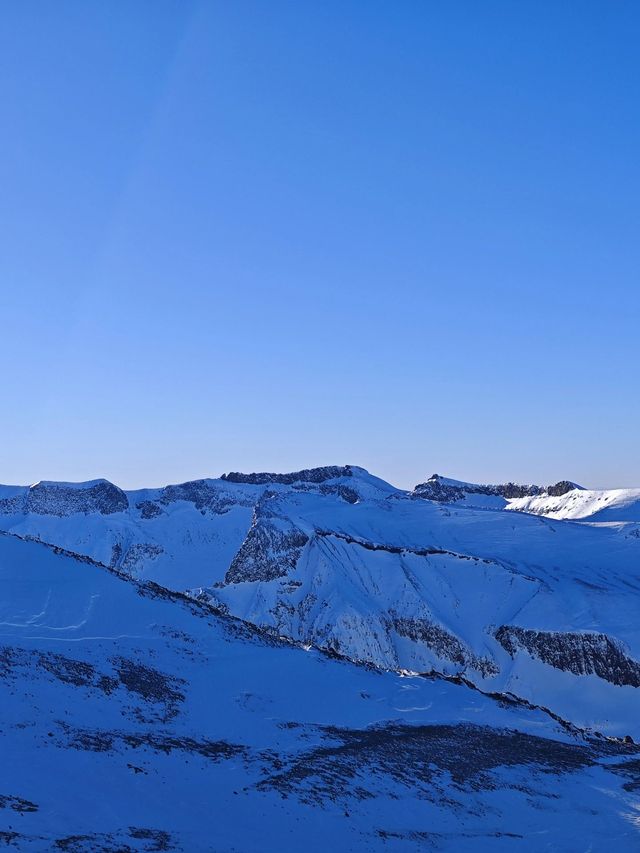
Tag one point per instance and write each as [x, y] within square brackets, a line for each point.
[446, 490]
[308, 475]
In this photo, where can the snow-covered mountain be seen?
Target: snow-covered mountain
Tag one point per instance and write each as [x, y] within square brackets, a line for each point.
[502, 496]
[136, 719]
[596, 506]
[182, 535]
[338, 559]
[563, 500]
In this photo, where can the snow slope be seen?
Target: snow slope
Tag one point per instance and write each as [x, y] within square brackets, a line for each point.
[134, 719]
[610, 505]
[446, 490]
[564, 500]
[547, 610]
[336, 558]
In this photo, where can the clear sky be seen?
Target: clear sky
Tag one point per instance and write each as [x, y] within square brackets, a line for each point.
[269, 235]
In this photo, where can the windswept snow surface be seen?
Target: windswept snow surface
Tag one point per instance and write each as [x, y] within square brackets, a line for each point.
[134, 719]
[610, 505]
[335, 558]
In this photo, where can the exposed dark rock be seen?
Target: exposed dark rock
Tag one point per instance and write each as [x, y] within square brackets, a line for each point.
[61, 500]
[561, 488]
[151, 685]
[17, 804]
[442, 642]
[271, 548]
[14, 505]
[268, 552]
[116, 555]
[630, 769]
[435, 489]
[310, 475]
[71, 671]
[101, 740]
[398, 549]
[345, 492]
[582, 654]
[159, 839]
[417, 757]
[139, 554]
[205, 495]
[143, 841]
[149, 509]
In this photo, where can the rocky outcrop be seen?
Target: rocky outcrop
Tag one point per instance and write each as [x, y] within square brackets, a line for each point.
[139, 555]
[271, 548]
[309, 475]
[62, 499]
[345, 492]
[149, 509]
[205, 495]
[442, 642]
[438, 488]
[581, 654]
[561, 488]
[267, 553]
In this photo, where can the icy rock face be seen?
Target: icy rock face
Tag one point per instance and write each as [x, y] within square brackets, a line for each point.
[61, 499]
[205, 495]
[581, 654]
[271, 549]
[308, 475]
[446, 645]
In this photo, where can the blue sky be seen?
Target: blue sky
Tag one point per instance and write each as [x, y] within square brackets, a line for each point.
[251, 235]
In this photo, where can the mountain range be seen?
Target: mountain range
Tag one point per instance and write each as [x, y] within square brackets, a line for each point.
[330, 659]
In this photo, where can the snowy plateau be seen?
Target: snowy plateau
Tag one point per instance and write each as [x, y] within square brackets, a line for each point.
[319, 660]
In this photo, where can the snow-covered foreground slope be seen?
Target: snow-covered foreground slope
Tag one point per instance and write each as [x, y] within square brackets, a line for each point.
[337, 559]
[133, 719]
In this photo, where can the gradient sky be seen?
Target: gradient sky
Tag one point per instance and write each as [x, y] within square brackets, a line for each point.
[270, 235]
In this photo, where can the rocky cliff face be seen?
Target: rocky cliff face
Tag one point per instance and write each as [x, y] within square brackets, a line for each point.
[272, 547]
[63, 499]
[581, 654]
[309, 475]
[441, 489]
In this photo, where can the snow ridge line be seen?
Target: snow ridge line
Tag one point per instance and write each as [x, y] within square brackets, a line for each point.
[398, 549]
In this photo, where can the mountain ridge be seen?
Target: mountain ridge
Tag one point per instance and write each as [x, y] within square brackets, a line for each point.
[336, 558]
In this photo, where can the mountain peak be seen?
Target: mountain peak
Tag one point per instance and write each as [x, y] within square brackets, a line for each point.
[447, 490]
